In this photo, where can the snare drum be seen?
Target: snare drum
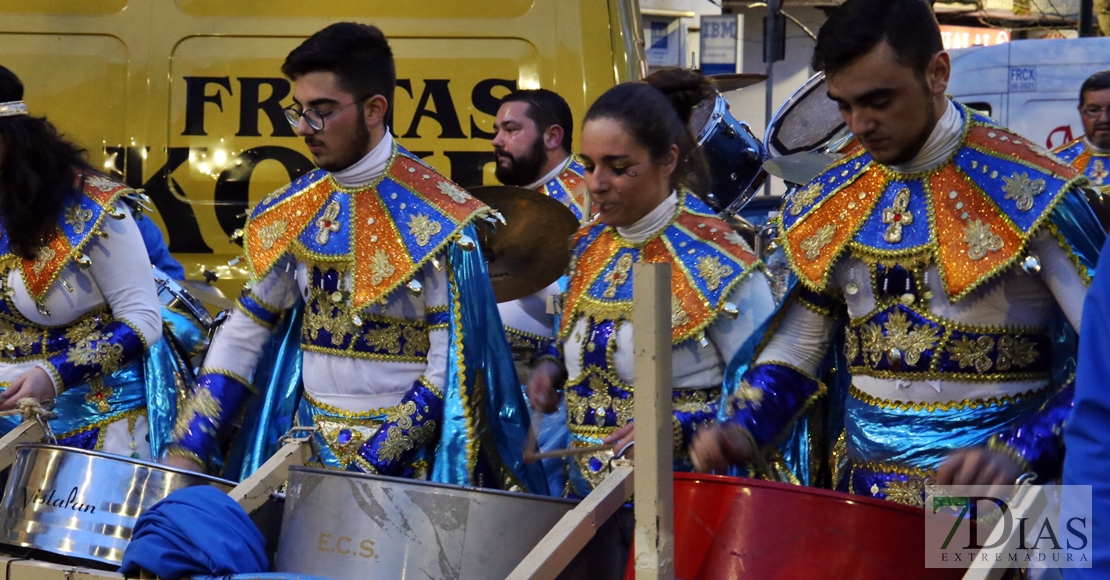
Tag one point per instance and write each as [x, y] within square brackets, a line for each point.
[351, 526]
[186, 317]
[83, 504]
[735, 155]
[735, 528]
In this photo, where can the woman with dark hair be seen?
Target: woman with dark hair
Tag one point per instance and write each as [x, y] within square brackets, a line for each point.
[78, 306]
[640, 164]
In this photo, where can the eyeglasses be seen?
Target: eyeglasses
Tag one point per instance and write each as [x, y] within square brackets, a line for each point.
[1094, 112]
[313, 117]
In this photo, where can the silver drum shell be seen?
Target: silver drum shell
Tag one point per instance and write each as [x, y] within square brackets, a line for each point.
[83, 504]
[351, 526]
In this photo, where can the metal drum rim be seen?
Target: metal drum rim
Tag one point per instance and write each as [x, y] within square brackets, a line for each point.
[799, 489]
[195, 306]
[130, 460]
[720, 107]
[801, 92]
[425, 483]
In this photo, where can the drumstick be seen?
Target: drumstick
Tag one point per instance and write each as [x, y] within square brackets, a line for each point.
[530, 457]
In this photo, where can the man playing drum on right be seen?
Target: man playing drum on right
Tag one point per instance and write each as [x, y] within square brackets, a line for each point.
[950, 245]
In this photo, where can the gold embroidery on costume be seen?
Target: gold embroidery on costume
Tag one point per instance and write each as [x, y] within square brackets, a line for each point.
[805, 197]
[813, 245]
[395, 444]
[14, 340]
[711, 270]
[454, 192]
[618, 275]
[73, 334]
[100, 182]
[851, 346]
[387, 339]
[897, 216]
[202, 404]
[416, 341]
[380, 268]
[912, 343]
[268, 235]
[423, 228]
[98, 395]
[78, 217]
[322, 319]
[104, 353]
[270, 197]
[748, 396]
[678, 315]
[1015, 351]
[973, 352]
[599, 400]
[576, 407]
[980, 240]
[909, 492]
[327, 223]
[735, 238]
[45, 255]
[1022, 190]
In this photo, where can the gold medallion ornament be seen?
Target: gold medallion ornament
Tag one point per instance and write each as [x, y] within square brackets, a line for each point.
[973, 353]
[813, 245]
[423, 228]
[1015, 351]
[380, 268]
[327, 223]
[897, 216]
[268, 235]
[1022, 190]
[712, 271]
[77, 217]
[804, 197]
[618, 275]
[980, 240]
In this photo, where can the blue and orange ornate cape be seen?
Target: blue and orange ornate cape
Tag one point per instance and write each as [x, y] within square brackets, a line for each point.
[1093, 165]
[569, 187]
[708, 261]
[102, 365]
[972, 216]
[380, 234]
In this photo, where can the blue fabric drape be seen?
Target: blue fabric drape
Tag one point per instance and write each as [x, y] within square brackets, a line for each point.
[195, 530]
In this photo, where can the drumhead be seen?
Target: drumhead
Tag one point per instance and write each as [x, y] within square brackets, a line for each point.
[700, 118]
[806, 122]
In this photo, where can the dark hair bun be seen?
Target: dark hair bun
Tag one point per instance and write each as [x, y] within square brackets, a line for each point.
[685, 89]
[11, 89]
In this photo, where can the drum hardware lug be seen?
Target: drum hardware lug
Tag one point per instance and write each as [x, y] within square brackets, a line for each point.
[298, 434]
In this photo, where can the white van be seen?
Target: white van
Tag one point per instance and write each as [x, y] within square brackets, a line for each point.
[1030, 86]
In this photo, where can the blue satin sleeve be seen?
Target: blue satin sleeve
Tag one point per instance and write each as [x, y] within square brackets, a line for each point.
[1074, 219]
[771, 396]
[99, 353]
[203, 420]
[1036, 440]
[411, 425]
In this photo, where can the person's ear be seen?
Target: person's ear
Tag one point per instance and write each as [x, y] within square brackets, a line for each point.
[374, 110]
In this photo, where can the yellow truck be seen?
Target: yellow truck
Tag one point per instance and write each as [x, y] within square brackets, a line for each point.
[184, 98]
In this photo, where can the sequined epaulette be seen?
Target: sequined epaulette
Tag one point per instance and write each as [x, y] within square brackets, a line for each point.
[709, 259]
[972, 215]
[78, 224]
[569, 187]
[1092, 164]
[383, 232]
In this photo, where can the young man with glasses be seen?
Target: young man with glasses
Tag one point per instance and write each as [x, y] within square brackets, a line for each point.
[1090, 154]
[405, 367]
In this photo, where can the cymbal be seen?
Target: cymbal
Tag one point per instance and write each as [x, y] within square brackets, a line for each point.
[532, 249]
[731, 82]
[207, 293]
